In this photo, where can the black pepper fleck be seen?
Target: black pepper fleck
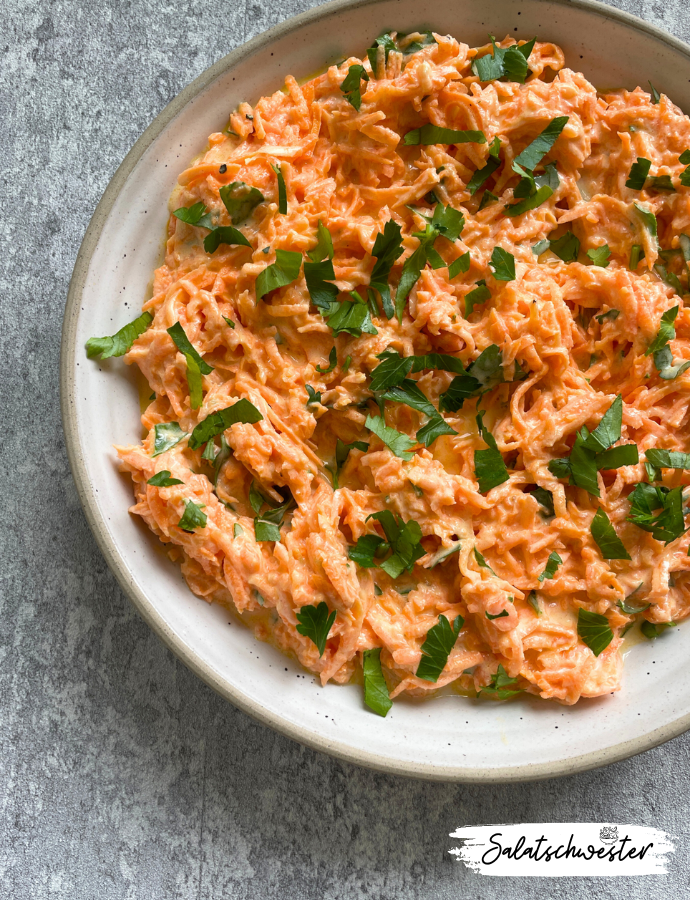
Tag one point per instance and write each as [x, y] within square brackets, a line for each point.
[223, 169]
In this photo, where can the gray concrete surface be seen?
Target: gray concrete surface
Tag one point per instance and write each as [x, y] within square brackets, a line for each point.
[121, 775]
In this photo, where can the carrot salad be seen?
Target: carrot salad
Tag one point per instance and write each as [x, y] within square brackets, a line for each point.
[420, 365]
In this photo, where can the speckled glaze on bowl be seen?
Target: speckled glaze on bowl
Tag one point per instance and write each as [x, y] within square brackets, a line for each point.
[448, 738]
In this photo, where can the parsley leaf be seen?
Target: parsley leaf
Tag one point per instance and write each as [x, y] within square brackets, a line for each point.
[375, 688]
[608, 431]
[655, 93]
[317, 276]
[324, 244]
[349, 316]
[635, 256]
[409, 393]
[342, 451]
[487, 199]
[442, 361]
[120, 342]
[503, 264]
[489, 467]
[605, 537]
[648, 220]
[666, 332]
[611, 314]
[166, 435]
[399, 444]
[391, 371]
[485, 373]
[541, 247]
[545, 499]
[668, 459]
[615, 457]
[522, 206]
[481, 175]
[566, 247]
[388, 44]
[224, 234]
[440, 640]
[461, 264]
[509, 63]
[662, 183]
[313, 396]
[554, 561]
[387, 248]
[267, 524]
[501, 685]
[404, 540]
[443, 554]
[480, 294]
[351, 85]
[282, 191]
[163, 479]
[482, 562]
[669, 524]
[533, 154]
[192, 517]
[282, 272]
[240, 199]
[594, 630]
[195, 364]
[503, 612]
[434, 134]
[533, 601]
[629, 608]
[600, 256]
[669, 278]
[196, 215]
[366, 549]
[638, 173]
[314, 622]
[653, 629]
[223, 456]
[242, 411]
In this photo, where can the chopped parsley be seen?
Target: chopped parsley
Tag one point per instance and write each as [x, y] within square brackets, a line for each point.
[533, 154]
[566, 247]
[434, 134]
[324, 244]
[480, 294]
[605, 537]
[196, 367]
[342, 451]
[545, 499]
[501, 686]
[388, 44]
[666, 525]
[192, 517]
[399, 444]
[610, 314]
[242, 411]
[503, 265]
[638, 173]
[662, 183]
[461, 264]
[282, 191]
[267, 524]
[196, 215]
[489, 467]
[282, 272]
[503, 612]
[224, 234]
[492, 163]
[482, 562]
[653, 629]
[485, 373]
[387, 248]
[313, 396]
[600, 256]
[667, 368]
[119, 343]
[635, 256]
[668, 459]
[594, 630]
[375, 688]
[352, 84]
[314, 622]
[440, 640]
[163, 479]
[402, 538]
[409, 393]
[553, 562]
[648, 220]
[166, 436]
[655, 94]
[240, 199]
[509, 63]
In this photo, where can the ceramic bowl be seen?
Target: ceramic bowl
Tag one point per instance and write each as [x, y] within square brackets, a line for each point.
[449, 737]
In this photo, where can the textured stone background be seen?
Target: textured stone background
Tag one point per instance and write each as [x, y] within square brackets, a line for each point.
[121, 775]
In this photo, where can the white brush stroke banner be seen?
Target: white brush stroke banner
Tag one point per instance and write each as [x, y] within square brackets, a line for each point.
[560, 849]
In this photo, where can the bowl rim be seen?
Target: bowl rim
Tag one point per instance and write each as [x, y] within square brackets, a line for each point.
[97, 522]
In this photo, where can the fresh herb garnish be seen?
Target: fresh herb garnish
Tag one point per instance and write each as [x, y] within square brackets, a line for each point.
[509, 63]
[387, 248]
[368, 546]
[324, 244]
[119, 343]
[392, 370]
[638, 173]
[404, 540]
[440, 640]
[166, 435]
[399, 444]
[600, 256]
[552, 564]
[196, 366]
[516, 209]
[318, 276]
[669, 278]
[192, 517]
[605, 537]
[648, 220]
[487, 199]
[409, 393]
[375, 688]
[503, 264]
[485, 373]
[282, 272]
[663, 356]
[222, 457]
[503, 612]
[566, 247]
[282, 191]
[480, 294]
[229, 322]
[482, 562]
[653, 629]
[342, 451]
[163, 479]
[196, 215]
[492, 163]
[461, 264]
[668, 459]
[501, 686]
[434, 134]
[224, 234]
[629, 608]
[594, 630]
[533, 601]
[332, 363]
[351, 85]
[267, 524]
[240, 412]
[489, 467]
[662, 183]
[545, 499]
[240, 199]
[442, 554]
[314, 622]
[646, 499]
[635, 256]
[655, 94]
[611, 314]
[347, 316]
[533, 154]
[388, 44]
[312, 395]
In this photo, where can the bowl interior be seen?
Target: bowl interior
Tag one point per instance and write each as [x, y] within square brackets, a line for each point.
[450, 737]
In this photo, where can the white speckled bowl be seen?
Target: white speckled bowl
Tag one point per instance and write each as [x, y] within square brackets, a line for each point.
[448, 738]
